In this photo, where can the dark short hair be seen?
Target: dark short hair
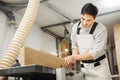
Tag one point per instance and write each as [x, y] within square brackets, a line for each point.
[90, 9]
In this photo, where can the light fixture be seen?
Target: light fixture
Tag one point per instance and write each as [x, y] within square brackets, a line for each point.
[66, 50]
[111, 3]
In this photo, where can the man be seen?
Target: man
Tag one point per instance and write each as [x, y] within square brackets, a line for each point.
[89, 40]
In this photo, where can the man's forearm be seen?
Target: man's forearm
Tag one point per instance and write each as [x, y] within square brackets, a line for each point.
[75, 51]
[78, 56]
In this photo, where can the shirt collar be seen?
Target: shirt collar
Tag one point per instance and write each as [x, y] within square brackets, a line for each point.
[80, 26]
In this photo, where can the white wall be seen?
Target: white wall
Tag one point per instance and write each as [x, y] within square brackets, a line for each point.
[4, 33]
[40, 40]
[37, 39]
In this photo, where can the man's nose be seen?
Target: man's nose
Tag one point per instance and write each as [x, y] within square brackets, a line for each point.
[85, 22]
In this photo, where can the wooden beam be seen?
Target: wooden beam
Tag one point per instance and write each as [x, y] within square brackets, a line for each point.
[31, 56]
[117, 44]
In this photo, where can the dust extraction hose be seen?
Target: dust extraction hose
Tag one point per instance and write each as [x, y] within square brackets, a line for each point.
[21, 34]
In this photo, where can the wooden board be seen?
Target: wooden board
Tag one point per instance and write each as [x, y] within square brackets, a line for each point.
[117, 44]
[63, 45]
[31, 56]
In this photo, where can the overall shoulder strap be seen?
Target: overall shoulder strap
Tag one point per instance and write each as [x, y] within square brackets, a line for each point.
[78, 29]
[93, 28]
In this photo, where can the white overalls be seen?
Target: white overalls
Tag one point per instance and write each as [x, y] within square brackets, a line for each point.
[93, 70]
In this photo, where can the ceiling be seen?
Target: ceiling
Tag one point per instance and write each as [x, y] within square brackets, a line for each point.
[56, 15]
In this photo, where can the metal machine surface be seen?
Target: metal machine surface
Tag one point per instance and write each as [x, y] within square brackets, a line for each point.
[30, 72]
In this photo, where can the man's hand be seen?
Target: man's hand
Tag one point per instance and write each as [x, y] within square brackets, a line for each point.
[69, 60]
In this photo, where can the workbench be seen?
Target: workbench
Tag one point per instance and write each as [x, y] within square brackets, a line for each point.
[30, 72]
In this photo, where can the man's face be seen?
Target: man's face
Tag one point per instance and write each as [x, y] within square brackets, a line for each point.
[87, 20]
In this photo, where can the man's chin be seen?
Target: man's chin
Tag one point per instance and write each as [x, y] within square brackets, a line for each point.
[85, 26]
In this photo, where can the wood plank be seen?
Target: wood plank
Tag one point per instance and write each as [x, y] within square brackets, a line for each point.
[63, 45]
[31, 56]
[117, 43]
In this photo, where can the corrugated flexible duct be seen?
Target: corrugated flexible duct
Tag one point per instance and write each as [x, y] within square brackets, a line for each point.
[21, 34]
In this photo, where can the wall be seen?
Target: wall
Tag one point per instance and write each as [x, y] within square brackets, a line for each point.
[4, 33]
[37, 39]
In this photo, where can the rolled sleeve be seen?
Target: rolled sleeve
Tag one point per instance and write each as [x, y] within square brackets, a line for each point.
[73, 36]
[100, 43]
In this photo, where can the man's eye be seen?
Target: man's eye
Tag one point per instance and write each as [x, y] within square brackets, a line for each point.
[88, 20]
[83, 19]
